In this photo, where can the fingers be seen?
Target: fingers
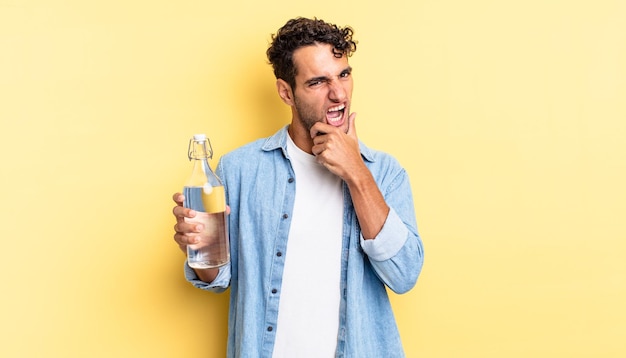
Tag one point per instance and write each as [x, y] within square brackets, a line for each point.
[181, 212]
[315, 130]
[324, 128]
[185, 232]
[178, 198]
[185, 239]
[185, 227]
[351, 126]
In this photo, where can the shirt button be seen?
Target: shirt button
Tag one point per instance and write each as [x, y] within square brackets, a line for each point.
[279, 254]
[274, 290]
[285, 216]
[269, 329]
[290, 180]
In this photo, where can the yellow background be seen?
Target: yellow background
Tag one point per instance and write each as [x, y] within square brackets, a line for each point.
[510, 117]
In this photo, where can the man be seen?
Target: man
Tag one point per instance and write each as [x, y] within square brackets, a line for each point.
[320, 224]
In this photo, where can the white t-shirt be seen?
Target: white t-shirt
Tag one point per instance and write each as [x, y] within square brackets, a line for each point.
[308, 313]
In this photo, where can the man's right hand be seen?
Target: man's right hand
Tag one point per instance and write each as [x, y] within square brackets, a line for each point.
[186, 233]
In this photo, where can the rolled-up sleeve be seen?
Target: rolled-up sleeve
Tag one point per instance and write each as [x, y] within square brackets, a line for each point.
[220, 284]
[396, 254]
[389, 240]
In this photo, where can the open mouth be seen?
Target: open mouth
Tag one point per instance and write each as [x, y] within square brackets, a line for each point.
[334, 115]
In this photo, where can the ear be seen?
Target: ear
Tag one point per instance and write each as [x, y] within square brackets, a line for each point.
[285, 92]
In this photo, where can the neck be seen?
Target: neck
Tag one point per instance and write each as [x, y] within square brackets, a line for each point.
[300, 137]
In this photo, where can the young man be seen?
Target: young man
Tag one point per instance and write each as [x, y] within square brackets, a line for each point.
[320, 224]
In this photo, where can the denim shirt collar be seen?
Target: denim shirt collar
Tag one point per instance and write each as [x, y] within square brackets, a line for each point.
[279, 140]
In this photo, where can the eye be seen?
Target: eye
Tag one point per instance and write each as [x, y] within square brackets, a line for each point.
[345, 74]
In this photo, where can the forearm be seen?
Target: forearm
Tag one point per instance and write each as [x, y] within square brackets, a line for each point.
[369, 203]
[207, 275]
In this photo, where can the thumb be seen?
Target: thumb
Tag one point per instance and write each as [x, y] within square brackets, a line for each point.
[351, 127]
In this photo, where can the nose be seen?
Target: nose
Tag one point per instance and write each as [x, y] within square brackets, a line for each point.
[336, 92]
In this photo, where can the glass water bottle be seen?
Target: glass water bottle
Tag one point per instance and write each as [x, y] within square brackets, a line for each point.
[204, 193]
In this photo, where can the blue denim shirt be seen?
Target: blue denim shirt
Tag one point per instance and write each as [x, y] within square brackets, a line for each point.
[260, 189]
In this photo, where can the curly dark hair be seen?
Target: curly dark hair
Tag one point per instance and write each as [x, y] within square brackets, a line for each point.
[301, 32]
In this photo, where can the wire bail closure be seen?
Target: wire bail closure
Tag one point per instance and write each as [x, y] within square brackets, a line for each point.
[191, 152]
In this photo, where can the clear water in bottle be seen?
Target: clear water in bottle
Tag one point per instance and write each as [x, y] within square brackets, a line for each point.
[210, 206]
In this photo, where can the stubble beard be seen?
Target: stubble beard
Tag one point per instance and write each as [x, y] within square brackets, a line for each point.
[307, 116]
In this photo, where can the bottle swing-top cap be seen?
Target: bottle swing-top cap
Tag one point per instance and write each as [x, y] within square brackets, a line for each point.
[199, 138]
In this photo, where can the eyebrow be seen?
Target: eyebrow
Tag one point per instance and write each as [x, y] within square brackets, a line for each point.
[316, 79]
[325, 78]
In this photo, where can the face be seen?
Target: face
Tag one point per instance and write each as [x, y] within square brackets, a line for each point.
[323, 89]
